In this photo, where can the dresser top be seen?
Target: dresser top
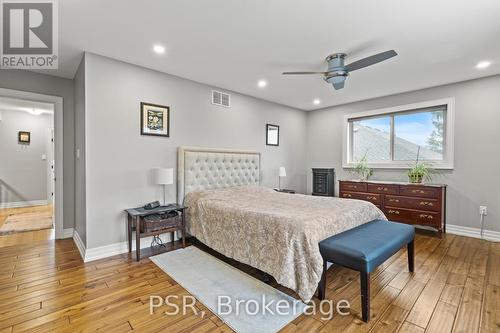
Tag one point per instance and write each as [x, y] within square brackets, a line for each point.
[391, 182]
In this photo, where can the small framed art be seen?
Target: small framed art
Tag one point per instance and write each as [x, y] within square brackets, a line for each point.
[24, 137]
[272, 135]
[155, 120]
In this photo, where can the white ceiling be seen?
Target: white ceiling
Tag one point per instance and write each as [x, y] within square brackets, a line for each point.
[14, 104]
[233, 44]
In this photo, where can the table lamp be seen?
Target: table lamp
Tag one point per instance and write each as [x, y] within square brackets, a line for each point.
[281, 174]
[164, 176]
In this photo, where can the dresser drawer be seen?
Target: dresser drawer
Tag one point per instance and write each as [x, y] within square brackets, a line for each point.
[373, 198]
[414, 203]
[419, 191]
[353, 186]
[383, 188]
[398, 215]
[427, 218]
[412, 216]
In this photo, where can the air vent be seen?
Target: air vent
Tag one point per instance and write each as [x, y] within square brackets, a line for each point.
[221, 99]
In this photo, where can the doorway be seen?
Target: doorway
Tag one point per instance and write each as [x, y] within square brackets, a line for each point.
[30, 167]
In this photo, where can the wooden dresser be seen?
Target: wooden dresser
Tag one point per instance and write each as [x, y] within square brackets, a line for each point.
[419, 204]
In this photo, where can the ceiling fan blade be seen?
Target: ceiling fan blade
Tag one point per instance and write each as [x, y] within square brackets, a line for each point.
[371, 60]
[303, 73]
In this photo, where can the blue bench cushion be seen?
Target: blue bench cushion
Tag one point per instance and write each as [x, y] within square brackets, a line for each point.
[365, 247]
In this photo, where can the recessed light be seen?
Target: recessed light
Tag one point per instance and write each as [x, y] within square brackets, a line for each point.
[262, 83]
[483, 64]
[316, 101]
[159, 49]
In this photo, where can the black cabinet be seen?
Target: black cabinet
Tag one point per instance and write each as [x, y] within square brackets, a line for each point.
[323, 182]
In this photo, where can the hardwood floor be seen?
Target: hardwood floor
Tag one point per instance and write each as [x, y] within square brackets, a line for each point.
[45, 287]
[25, 237]
[5, 212]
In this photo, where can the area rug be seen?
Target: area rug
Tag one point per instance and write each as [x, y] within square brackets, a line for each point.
[208, 278]
[26, 222]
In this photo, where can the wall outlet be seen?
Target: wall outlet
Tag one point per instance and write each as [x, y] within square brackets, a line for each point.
[483, 210]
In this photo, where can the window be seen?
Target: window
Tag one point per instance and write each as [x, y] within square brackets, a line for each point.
[396, 137]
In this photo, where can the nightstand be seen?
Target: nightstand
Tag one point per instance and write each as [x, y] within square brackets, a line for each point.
[284, 190]
[168, 219]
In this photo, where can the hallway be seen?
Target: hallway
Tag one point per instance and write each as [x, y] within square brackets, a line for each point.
[35, 218]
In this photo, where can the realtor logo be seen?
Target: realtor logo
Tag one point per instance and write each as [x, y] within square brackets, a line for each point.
[29, 38]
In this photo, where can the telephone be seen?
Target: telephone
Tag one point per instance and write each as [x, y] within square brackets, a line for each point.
[152, 205]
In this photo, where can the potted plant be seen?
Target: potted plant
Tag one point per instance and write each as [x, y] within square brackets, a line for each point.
[363, 170]
[420, 171]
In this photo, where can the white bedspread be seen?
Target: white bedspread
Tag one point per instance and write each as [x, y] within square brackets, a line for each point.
[277, 233]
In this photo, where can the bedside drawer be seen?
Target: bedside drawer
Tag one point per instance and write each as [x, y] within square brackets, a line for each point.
[158, 222]
[353, 186]
[419, 191]
[383, 188]
[415, 203]
[373, 198]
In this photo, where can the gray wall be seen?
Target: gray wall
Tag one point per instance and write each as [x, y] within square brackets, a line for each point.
[474, 180]
[80, 193]
[119, 159]
[23, 173]
[50, 85]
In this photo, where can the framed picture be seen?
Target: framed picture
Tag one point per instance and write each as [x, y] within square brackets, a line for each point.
[272, 135]
[155, 119]
[24, 137]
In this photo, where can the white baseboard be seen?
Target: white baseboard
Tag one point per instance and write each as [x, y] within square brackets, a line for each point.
[17, 204]
[68, 233]
[112, 249]
[79, 244]
[490, 235]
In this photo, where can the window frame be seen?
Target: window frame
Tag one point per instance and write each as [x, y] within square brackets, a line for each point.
[448, 149]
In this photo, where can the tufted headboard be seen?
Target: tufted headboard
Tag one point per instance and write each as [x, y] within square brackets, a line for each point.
[206, 168]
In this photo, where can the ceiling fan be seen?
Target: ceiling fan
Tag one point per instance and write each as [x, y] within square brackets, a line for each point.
[338, 72]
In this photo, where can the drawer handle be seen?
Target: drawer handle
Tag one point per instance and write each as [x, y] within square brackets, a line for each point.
[393, 211]
[393, 200]
[418, 191]
[382, 189]
[426, 203]
[351, 186]
[425, 216]
[346, 195]
[371, 198]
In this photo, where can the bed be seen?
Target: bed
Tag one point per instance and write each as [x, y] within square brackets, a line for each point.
[277, 233]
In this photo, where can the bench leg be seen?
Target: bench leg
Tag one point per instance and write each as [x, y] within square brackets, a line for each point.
[322, 283]
[365, 295]
[411, 256]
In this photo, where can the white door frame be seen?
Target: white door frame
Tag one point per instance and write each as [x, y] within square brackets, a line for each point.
[50, 164]
[58, 144]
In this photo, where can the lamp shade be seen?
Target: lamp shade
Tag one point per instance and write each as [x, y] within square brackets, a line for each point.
[282, 172]
[164, 176]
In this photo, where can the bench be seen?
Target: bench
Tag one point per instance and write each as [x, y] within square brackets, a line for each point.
[363, 248]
